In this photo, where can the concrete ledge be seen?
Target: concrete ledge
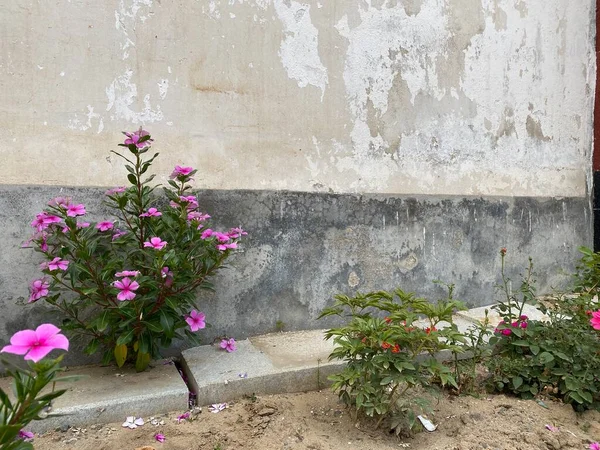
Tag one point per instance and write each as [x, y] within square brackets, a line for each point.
[109, 394]
[274, 364]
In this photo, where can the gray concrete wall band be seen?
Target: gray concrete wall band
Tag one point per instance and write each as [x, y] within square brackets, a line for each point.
[303, 248]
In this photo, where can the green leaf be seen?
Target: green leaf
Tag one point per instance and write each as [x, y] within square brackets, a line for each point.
[520, 343]
[142, 361]
[534, 349]
[586, 396]
[545, 357]
[92, 347]
[126, 337]
[132, 179]
[517, 382]
[120, 354]
[102, 320]
[386, 381]
[575, 396]
[561, 355]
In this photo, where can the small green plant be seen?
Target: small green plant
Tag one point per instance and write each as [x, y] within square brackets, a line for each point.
[390, 354]
[279, 326]
[558, 357]
[476, 350]
[28, 403]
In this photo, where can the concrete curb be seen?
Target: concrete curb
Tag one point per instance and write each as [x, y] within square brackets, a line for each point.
[109, 394]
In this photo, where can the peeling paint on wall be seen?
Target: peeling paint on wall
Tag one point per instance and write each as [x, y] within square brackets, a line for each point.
[299, 51]
[122, 94]
[125, 19]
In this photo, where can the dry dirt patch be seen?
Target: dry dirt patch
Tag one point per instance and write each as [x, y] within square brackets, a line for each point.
[316, 421]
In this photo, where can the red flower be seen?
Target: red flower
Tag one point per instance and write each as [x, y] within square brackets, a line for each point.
[385, 345]
[503, 251]
[396, 349]
[429, 330]
[388, 320]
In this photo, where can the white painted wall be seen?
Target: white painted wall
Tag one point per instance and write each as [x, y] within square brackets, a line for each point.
[462, 97]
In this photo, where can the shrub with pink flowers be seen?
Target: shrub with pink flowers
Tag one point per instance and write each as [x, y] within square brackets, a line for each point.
[128, 284]
[27, 402]
[557, 357]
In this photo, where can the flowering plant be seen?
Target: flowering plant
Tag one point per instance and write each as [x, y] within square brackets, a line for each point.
[391, 359]
[28, 403]
[129, 284]
[557, 357]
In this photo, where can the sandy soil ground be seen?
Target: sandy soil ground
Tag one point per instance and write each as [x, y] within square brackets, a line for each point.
[316, 421]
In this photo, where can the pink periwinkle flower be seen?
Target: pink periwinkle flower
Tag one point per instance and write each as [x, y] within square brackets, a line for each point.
[38, 289]
[60, 202]
[221, 237]
[594, 446]
[181, 171]
[190, 199]
[514, 324]
[236, 233]
[155, 243]
[25, 435]
[223, 247]
[160, 437]
[523, 324]
[117, 190]
[75, 210]
[36, 344]
[105, 226]
[127, 288]
[228, 345]
[195, 215]
[152, 212]
[196, 320]
[595, 322]
[506, 332]
[207, 233]
[134, 138]
[43, 220]
[58, 264]
[127, 273]
[118, 234]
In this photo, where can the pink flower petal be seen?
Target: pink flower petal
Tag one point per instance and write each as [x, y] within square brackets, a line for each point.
[37, 353]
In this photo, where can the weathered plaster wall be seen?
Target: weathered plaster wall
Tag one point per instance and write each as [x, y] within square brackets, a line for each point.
[460, 97]
[364, 144]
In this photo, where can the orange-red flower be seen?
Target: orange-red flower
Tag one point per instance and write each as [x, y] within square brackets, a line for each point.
[385, 345]
[396, 349]
[429, 330]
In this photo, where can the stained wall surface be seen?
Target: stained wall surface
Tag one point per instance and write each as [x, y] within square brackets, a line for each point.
[376, 143]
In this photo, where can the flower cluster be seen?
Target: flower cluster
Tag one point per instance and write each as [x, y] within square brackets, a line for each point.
[137, 271]
[394, 349]
[504, 327]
